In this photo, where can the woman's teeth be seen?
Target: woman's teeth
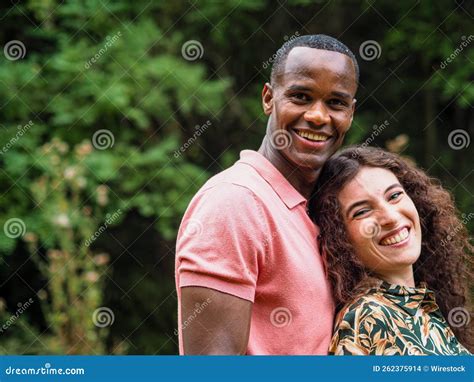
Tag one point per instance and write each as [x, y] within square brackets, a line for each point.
[312, 137]
[402, 235]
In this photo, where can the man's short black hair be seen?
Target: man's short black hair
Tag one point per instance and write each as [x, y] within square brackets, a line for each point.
[316, 41]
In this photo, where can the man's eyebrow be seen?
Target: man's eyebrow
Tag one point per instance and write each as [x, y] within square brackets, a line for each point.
[298, 88]
[302, 88]
[341, 95]
[362, 202]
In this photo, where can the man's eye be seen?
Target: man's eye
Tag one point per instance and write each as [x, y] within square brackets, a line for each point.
[300, 97]
[337, 102]
[395, 195]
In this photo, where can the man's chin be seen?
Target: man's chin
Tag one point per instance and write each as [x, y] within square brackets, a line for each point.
[310, 161]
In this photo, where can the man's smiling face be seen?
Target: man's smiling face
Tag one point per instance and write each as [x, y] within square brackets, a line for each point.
[312, 101]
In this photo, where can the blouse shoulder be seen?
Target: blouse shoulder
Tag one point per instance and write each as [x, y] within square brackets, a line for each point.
[363, 327]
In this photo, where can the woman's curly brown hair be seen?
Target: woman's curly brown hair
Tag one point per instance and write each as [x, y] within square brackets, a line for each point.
[445, 263]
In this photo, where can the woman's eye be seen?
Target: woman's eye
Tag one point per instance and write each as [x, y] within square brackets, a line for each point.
[395, 195]
[360, 212]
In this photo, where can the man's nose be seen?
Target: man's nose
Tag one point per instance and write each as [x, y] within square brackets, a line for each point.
[318, 114]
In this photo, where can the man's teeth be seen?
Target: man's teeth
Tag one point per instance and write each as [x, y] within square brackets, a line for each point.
[402, 235]
[311, 136]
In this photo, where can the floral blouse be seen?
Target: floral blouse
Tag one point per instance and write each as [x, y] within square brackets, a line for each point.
[394, 320]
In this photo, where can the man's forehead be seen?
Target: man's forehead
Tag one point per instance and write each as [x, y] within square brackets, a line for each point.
[305, 62]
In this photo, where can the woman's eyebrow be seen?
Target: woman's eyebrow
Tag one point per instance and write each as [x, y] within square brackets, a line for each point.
[354, 205]
[362, 202]
[392, 186]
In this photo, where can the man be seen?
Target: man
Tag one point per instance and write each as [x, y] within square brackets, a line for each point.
[249, 276]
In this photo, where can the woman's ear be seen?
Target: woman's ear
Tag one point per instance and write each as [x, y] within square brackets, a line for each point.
[267, 98]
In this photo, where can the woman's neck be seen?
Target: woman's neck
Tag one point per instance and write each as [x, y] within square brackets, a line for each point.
[403, 277]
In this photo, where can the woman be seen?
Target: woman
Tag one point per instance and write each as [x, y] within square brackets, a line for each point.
[397, 257]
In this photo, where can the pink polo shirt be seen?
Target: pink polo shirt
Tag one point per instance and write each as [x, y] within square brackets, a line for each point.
[246, 233]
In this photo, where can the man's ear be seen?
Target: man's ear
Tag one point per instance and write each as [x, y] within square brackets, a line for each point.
[353, 109]
[267, 98]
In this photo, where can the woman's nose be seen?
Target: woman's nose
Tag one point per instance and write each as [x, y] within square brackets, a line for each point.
[388, 216]
[318, 114]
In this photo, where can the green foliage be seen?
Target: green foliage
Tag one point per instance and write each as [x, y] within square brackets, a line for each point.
[96, 117]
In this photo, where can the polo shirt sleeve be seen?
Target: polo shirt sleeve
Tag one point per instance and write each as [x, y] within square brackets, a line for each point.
[221, 241]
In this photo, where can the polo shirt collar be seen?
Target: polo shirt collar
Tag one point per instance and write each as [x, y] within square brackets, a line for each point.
[287, 193]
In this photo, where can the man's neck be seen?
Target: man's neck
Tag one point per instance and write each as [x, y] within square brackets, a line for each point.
[302, 179]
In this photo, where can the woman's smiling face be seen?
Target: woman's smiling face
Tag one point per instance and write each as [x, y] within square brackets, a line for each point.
[381, 221]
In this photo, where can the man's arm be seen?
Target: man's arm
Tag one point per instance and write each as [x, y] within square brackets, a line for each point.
[214, 322]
